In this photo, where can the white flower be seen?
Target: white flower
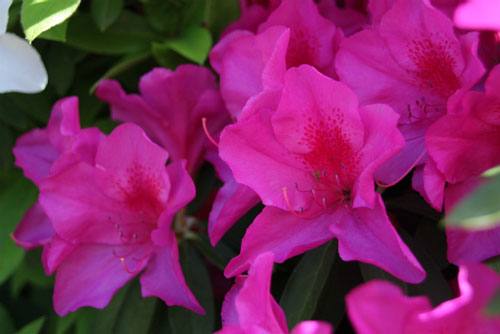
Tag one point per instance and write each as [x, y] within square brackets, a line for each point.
[21, 68]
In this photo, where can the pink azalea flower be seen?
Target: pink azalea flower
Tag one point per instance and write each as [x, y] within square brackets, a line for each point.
[35, 153]
[351, 18]
[294, 34]
[478, 14]
[414, 65]
[310, 154]
[111, 203]
[170, 109]
[380, 307]
[460, 155]
[249, 307]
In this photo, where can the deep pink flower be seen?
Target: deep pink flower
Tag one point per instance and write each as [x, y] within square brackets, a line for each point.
[463, 144]
[380, 307]
[170, 109]
[294, 34]
[35, 153]
[310, 154]
[350, 17]
[478, 14]
[249, 307]
[414, 65]
[112, 211]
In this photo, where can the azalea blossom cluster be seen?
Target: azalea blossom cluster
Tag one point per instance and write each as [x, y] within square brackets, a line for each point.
[316, 107]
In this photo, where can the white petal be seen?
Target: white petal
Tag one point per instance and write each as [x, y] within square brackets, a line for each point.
[21, 68]
[4, 14]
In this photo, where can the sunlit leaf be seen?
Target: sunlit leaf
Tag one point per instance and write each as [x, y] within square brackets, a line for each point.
[480, 209]
[33, 327]
[38, 16]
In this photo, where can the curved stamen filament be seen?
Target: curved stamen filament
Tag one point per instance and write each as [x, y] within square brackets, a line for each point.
[295, 213]
[139, 265]
[205, 129]
[405, 173]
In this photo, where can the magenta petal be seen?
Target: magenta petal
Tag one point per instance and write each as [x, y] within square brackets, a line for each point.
[229, 313]
[381, 307]
[255, 305]
[163, 278]
[278, 231]
[232, 201]
[382, 141]
[88, 277]
[129, 165]
[54, 252]
[478, 14]
[312, 327]
[34, 229]
[77, 208]
[258, 161]
[182, 189]
[361, 231]
[35, 154]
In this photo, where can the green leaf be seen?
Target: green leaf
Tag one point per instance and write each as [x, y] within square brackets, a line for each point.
[31, 272]
[38, 16]
[304, 287]
[220, 13]
[130, 33]
[435, 285]
[219, 255]
[172, 17]
[371, 272]
[121, 66]
[105, 320]
[194, 44]
[491, 172]
[183, 321]
[6, 143]
[56, 33]
[105, 12]
[84, 320]
[137, 313]
[10, 113]
[14, 201]
[33, 327]
[493, 307]
[64, 324]
[6, 323]
[480, 209]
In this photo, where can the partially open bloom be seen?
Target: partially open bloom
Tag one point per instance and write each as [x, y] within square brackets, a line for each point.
[35, 153]
[170, 109]
[294, 34]
[413, 61]
[463, 144]
[312, 164]
[249, 307]
[380, 307]
[111, 202]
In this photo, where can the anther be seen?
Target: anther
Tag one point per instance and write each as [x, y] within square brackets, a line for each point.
[205, 129]
[324, 202]
[117, 226]
[134, 235]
